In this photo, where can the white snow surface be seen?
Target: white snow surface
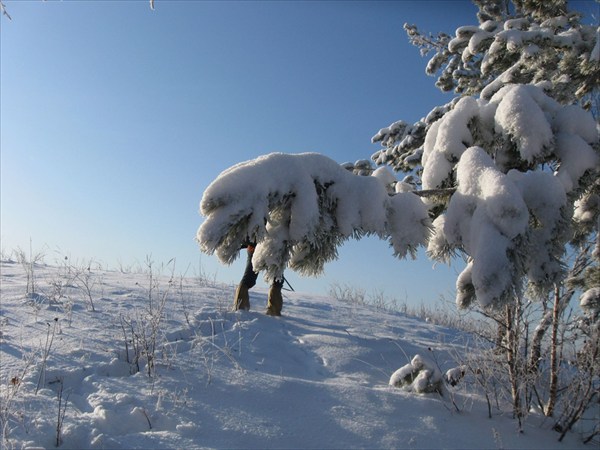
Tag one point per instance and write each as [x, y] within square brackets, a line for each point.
[315, 378]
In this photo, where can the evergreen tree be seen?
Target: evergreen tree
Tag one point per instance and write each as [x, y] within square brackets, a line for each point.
[517, 166]
[521, 73]
[506, 174]
[519, 157]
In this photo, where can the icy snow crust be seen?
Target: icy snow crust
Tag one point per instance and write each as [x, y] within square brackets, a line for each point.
[315, 378]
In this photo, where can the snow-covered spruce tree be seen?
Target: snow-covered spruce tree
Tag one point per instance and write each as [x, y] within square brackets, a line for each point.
[519, 157]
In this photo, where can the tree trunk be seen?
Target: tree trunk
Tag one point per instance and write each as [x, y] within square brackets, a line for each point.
[512, 346]
[540, 331]
[582, 261]
[549, 410]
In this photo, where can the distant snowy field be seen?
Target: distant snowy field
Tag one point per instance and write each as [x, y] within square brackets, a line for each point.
[315, 378]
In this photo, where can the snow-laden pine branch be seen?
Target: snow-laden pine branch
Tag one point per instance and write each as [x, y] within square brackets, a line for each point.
[300, 209]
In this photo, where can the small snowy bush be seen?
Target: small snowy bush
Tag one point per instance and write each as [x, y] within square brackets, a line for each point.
[421, 376]
[454, 375]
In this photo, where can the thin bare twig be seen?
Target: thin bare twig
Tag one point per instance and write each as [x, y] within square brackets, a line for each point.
[4, 11]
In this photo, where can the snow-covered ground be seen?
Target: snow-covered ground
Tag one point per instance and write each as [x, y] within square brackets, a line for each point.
[315, 378]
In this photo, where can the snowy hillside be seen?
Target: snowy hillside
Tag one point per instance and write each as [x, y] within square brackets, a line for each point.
[315, 378]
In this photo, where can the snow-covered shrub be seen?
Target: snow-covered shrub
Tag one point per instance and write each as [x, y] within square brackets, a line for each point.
[421, 375]
[143, 329]
[29, 264]
[454, 375]
[347, 294]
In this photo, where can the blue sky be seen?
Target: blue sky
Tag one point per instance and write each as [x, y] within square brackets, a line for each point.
[115, 118]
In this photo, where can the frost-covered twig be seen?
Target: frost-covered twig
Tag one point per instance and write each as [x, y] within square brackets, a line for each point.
[86, 280]
[125, 339]
[9, 394]
[28, 264]
[62, 409]
[46, 352]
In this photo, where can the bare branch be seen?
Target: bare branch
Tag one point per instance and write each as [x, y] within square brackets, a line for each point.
[435, 192]
[4, 11]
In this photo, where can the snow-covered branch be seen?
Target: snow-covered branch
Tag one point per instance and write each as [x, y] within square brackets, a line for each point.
[300, 209]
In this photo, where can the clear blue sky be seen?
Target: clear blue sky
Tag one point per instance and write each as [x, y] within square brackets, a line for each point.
[115, 118]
